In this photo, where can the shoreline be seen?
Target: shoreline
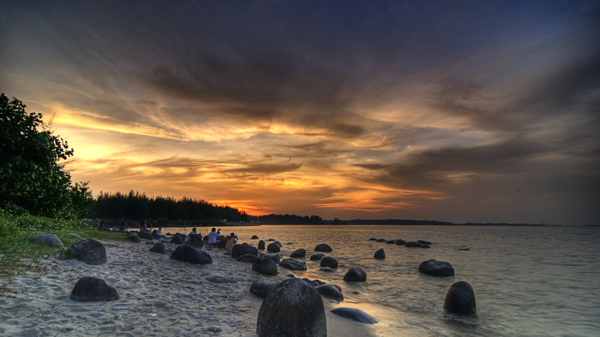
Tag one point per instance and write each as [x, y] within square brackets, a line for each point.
[158, 296]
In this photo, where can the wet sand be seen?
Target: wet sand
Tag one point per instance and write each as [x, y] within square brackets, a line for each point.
[158, 297]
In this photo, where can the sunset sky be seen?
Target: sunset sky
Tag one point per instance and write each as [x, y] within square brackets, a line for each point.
[480, 111]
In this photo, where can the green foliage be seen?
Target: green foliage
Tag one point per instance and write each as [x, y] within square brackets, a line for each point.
[32, 179]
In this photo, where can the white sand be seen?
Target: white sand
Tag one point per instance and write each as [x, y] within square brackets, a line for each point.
[158, 297]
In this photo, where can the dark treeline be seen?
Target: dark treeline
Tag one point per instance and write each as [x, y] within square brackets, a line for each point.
[397, 222]
[138, 206]
[289, 219]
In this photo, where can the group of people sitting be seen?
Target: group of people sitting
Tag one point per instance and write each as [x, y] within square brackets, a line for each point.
[213, 236]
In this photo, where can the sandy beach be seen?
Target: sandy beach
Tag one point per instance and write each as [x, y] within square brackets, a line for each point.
[158, 297]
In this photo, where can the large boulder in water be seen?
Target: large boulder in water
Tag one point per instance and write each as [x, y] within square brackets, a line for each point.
[329, 261]
[263, 286]
[177, 240]
[323, 248]
[381, 240]
[331, 291]
[273, 248]
[158, 247]
[355, 315]
[436, 268]
[400, 242]
[188, 253]
[264, 265]
[131, 236]
[89, 251]
[93, 289]
[292, 308]
[390, 242]
[50, 240]
[254, 237]
[292, 264]
[145, 236]
[460, 299]
[355, 274]
[299, 253]
[412, 244]
[379, 254]
[243, 249]
[261, 244]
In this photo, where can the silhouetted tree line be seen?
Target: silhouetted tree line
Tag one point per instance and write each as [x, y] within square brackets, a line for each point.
[397, 222]
[287, 219]
[139, 206]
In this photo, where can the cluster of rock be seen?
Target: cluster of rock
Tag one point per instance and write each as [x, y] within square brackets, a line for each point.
[400, 242]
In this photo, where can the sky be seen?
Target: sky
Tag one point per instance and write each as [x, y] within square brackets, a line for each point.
[461, 111]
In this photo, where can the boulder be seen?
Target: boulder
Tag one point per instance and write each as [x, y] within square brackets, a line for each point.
[423, 242]
[273, 248]
[75, 236]
[373, 239]
[330, 291]
[299, 253]
[177, 240]
[243, 249]
[316, 257]
[400, 242]
[412, 244]
[436, 268]
[271, 240]
[47, 240]
[355, 274]
[89, 251]
[145, 236]
[323, 248]
[380, 254]
[309, 281]
[194, 241]
[222, 242]
[381, 240]
[329, 261]
[355, 315]
[275, 257]
[292, 308]
[264, 265]
[158, 247]
[278, 243]
[133, 237]
[263, 286]
[250, 258]
[93, 289]
[189, 253]
[460, 299]
[391, 242]
[292, 264]
[254, 237]
[261, 244]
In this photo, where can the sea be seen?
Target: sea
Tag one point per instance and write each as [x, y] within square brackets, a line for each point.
[528, 281]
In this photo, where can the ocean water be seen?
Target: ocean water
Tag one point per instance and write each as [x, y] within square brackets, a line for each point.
[528, 281]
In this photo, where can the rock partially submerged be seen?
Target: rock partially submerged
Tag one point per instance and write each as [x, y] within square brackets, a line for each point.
[188, 253]
[436, 268]
[292, 308]
[261, 244]
[412, 244]
[89, 251]
[93, 289]
[331, 291]
[50, 240]
[292, 264]
[316, 257]
[379, 254]
[355, 315]
[299, 253]
[323, 247]
[273, 247]
[329, 261]
[460, 299]
[355, 274]
[400, 242]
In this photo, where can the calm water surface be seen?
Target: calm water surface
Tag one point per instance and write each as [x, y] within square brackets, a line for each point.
[528, 281]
